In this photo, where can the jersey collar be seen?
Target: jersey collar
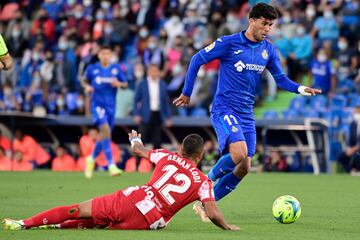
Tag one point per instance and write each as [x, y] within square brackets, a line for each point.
[247, 41]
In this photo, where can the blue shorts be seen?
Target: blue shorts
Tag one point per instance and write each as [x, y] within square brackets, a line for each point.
[231, 127]
[103, 115]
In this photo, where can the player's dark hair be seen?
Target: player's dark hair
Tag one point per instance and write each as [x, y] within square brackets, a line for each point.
[193, 144]
[263, 10]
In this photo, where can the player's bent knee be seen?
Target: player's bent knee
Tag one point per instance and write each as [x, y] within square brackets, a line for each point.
[238, 152]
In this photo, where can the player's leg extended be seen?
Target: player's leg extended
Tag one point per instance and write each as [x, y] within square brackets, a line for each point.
[228, 183]
[99, 118]
[55, 215]
[105, 134]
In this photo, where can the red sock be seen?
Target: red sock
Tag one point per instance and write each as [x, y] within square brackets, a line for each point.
[85, 223]
[53, 216]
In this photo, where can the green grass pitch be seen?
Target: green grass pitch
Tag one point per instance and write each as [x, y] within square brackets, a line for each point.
[330, 206]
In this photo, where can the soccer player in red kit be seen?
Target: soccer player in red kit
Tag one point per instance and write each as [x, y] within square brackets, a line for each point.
[175, 183]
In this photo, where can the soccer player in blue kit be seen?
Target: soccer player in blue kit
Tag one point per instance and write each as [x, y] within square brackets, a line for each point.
[101, 80]
[243, 57]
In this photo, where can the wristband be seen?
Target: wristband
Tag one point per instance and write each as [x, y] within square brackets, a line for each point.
[301, 90]
[132, 141]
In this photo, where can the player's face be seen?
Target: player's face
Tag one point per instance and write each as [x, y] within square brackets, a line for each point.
[105, 56]
[261, 27]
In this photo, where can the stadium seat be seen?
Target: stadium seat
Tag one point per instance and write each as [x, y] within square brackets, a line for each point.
[270, 115]
[291, 114]
[312, 113]
[298, 103]
[199, 112]
[346, 86]
[318, 102]
[338, 102]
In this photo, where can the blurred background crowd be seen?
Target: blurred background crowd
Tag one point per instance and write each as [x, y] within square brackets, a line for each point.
[52, 42]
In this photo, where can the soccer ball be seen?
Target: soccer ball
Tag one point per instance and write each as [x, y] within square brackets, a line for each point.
[286, 209]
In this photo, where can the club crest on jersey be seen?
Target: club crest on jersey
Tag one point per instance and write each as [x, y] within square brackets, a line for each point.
[211, 46]
[96, 71]
[265, 54]
[234, 129]
[114, 71]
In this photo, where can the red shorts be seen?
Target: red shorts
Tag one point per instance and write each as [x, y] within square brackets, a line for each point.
[117, 212]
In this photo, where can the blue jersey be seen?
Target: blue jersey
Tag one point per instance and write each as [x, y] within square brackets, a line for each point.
[322, 73]
[100, 79]
[241, 65]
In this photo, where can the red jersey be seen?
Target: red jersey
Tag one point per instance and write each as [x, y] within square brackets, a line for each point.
[175, 182]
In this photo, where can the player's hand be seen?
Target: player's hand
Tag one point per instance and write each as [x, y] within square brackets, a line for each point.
[137, 119]
[233, 227]
[307, 91]
[182, 101]
[88, 89]
[115, 83]
[134, 134]
[312, 91]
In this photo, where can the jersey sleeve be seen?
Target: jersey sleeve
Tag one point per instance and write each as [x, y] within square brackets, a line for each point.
[206, 192]
[216, 50]
[274, 67]
[157, 155]
[87, 73]
[120, 76]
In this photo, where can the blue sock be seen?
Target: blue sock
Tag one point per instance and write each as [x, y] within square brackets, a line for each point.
[97, 150]
[224, 165]
[106, 144]
[225, 185]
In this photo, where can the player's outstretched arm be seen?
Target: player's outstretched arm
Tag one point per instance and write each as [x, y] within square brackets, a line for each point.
[137, 146]
[215, 215]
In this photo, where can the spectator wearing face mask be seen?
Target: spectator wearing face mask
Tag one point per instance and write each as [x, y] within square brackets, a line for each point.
[98, 28]
[350, 158]
[346, 60]
[308, 20]
[326, 28]
[142, 41]
[43, 26]
[80, 106]
[323, 74]
[153, 54]
[299, 58]
[77, 24]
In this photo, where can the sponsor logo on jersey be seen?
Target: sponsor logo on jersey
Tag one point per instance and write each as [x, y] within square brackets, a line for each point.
[265, 54]
[238, 51]
[114, 71]
[211, 46]
[100, 80]
[240, 66]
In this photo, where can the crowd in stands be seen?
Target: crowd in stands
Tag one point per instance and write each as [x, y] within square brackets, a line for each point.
[52, 42]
